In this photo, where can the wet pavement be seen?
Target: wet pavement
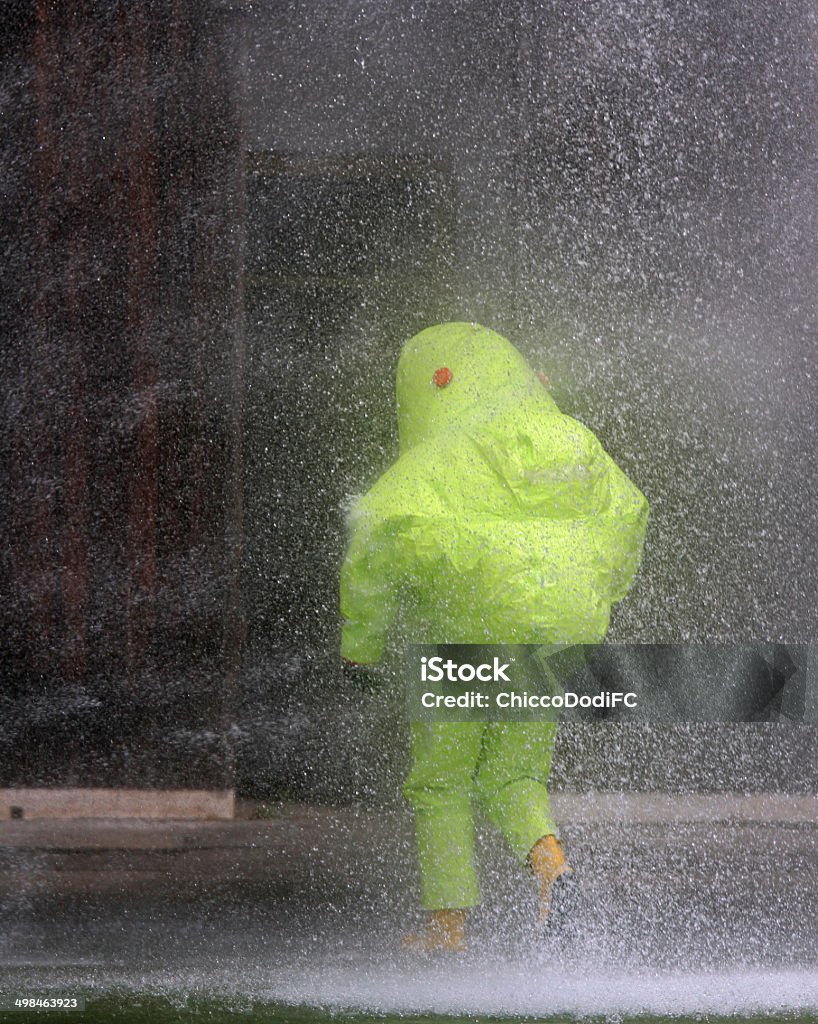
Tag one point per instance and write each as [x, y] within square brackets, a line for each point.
[688, 904]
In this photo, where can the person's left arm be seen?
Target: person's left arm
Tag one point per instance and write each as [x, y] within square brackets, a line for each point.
[369, 593]
[554, 466]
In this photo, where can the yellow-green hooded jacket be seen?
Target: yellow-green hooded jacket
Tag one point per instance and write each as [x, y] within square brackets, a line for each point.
[502, 521]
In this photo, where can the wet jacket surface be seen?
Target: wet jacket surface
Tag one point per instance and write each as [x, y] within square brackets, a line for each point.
[502, 520]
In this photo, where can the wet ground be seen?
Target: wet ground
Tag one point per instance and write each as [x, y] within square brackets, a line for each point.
[696, 905]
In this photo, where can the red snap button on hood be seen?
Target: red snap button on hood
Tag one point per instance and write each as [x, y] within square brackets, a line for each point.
[442, 377]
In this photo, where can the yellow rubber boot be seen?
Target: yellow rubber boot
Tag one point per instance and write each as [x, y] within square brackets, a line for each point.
[445, 932]
[548, 862]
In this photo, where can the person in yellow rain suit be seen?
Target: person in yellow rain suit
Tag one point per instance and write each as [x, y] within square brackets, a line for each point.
[503, 521]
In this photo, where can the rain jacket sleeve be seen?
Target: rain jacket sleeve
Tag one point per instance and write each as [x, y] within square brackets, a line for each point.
[557, 468]
[369, 595]
[620, 531]
[553, 465]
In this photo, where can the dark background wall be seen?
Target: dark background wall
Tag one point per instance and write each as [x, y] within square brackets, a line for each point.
[122, 373]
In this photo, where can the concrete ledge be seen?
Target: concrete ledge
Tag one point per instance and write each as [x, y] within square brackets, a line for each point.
[198, 804]
[288, 823]
[287, 848]
[678, 808]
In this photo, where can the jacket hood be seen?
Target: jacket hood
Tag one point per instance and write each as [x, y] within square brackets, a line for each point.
[480, 363]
